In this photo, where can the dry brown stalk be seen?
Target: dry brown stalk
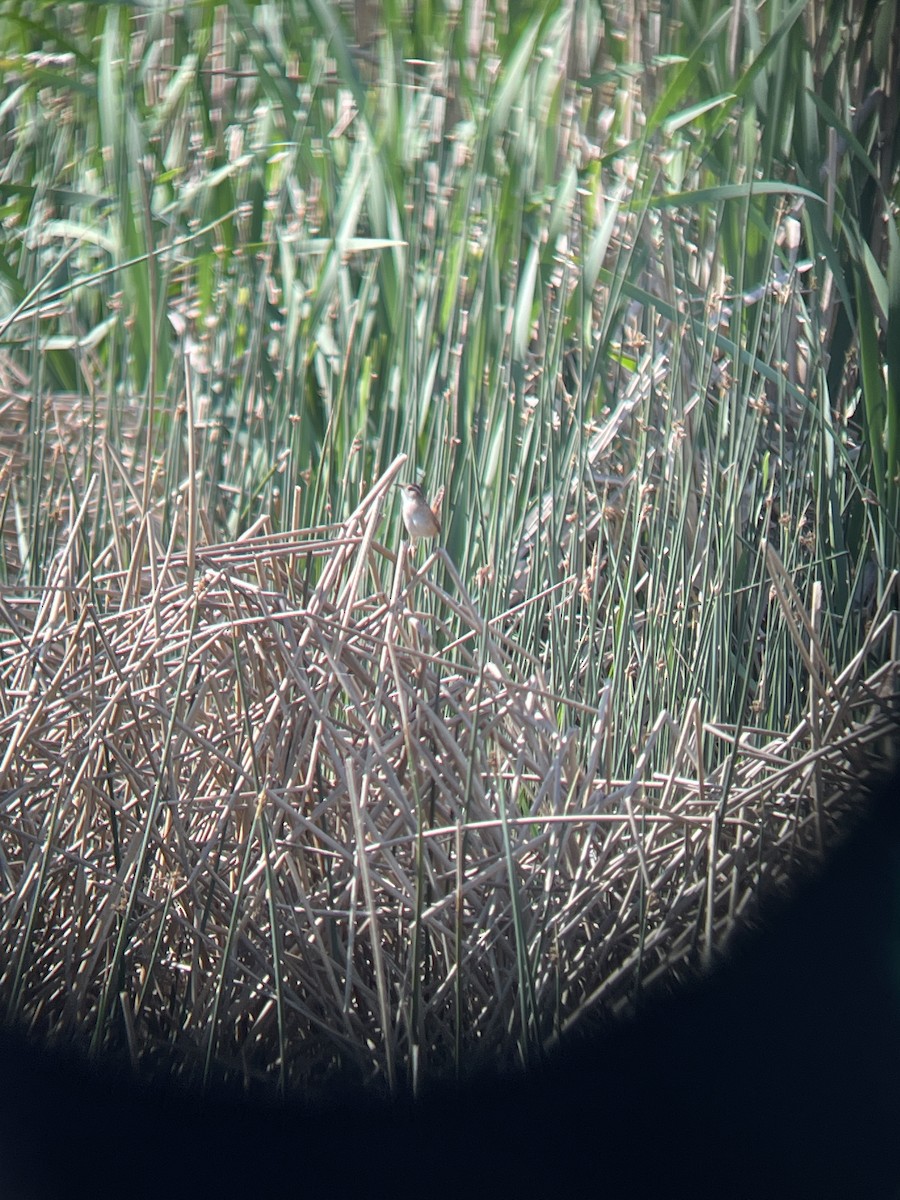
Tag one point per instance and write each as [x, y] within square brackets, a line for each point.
[228, 815]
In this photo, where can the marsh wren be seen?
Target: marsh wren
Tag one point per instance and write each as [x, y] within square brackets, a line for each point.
[418, 517]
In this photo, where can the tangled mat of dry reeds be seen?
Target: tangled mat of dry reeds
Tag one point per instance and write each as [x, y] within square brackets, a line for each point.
[263, 817]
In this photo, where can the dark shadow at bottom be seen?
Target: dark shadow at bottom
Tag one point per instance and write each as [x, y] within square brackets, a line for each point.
[777, 1076]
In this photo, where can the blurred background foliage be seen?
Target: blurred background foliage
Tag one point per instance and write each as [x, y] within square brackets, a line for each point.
[624, 279]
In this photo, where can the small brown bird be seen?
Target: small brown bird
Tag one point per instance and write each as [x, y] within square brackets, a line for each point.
[418, 516]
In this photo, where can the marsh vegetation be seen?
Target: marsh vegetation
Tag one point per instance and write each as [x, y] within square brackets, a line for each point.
[280, 800]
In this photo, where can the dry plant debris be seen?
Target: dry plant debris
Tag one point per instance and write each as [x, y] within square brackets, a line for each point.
[263, 815]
